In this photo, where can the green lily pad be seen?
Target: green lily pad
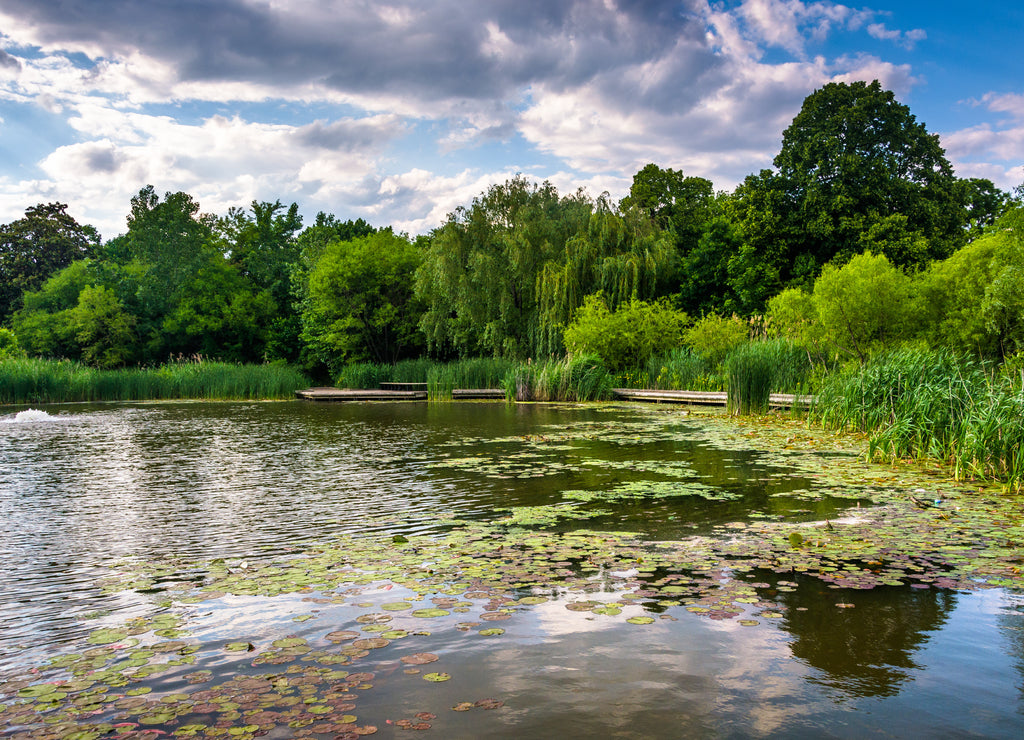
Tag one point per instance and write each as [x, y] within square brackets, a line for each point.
[436, 677]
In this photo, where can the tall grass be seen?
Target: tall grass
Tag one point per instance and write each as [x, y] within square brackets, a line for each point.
[931, 404]
[582, 378]
[28, 380]
[749, 372]
[684, 369]
[477, 372]
[757, 369]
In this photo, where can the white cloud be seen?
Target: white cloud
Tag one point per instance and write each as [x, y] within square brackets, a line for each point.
[998, 145]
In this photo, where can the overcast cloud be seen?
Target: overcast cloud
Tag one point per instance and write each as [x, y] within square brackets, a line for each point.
[399, 112]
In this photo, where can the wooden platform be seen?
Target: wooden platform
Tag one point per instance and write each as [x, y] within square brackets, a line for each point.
[479, 393]
[703, 398]
[346, 394]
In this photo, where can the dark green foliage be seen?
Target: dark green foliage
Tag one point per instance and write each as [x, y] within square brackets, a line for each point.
[36, 246]
[46, 381]
[360, 305]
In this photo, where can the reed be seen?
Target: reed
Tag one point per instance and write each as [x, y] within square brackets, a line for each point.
[918, 404]
[581, 378]
[477, 372]
[749, 372]
[30, 380]
[683, 369]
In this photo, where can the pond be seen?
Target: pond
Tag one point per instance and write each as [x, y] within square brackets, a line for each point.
[291, 569]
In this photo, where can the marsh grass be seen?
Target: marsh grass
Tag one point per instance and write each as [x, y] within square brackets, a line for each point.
[582, 378]
[29, 380]
[684, 369]
[921, 404]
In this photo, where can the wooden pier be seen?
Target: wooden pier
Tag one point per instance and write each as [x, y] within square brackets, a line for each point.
[704, 398]
[348, 394]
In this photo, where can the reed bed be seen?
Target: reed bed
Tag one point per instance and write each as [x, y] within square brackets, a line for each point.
[476, 372]
[920, 404]
[583, 378]
[29, 380]
[683, 369]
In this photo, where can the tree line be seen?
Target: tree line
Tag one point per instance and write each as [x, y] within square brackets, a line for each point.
[861, 236]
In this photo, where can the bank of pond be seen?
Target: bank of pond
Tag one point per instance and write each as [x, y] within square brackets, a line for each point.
[913, 403]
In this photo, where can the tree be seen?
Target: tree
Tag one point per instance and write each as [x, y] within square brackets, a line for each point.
[36, 246]
[864, 306]
[504, 276]
[104, 331]
[856, 171]
[361, 304]
[265, 250]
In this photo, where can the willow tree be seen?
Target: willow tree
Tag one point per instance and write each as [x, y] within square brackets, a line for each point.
[503, 276]
[622, 257]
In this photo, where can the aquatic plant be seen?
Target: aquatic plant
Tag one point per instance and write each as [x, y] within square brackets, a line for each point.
[33, 380]
[476, 372]
[749, 371]
[581, 378]
[684, 369]
[931, 404]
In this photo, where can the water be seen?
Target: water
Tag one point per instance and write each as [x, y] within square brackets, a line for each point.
[86, 489]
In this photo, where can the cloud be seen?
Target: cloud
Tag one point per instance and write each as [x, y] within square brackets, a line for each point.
[233, 100]
[998, 145]
[906, 39]
[8, 62]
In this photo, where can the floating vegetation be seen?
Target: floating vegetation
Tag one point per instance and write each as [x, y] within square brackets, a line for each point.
[358, 614]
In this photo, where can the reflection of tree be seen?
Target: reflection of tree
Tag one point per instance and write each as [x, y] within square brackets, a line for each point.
[1011, 624]
[867, 650]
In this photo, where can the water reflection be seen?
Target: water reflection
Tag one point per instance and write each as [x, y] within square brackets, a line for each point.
[867, 646]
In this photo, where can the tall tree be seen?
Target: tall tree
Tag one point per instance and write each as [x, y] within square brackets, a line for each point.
[856, 172]
[36, 246]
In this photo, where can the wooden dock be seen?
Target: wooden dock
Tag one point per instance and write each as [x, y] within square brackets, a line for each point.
[704, 398]
[388, 392]
[348, 394]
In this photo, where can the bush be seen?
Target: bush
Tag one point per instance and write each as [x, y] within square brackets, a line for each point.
[9, 345]
[713, 337]
[627, 337]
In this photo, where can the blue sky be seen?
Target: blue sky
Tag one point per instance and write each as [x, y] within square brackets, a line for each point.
[402, 110]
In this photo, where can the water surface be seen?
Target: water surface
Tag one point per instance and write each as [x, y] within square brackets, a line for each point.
[90, 490]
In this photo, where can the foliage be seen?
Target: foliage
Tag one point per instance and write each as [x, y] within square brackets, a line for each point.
[864, 306]
[931, 404]
[504, 276]
[360, 304]
[628, 336]
[579, 378]
[474, 372]
[749, 373]
[856, 172]
[104, 332]
[32, 380]
[36, 246]
[713, 337]
[9, 347]
[683, 369]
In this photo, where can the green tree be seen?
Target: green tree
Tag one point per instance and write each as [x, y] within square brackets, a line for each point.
[265, 249]
[628, 336]
[856, 172]
[9, 347]
[104, 331]
[361, 304]
[504, 276]
[714, 336]
[867, 305]
[36, 246]
[44, 324]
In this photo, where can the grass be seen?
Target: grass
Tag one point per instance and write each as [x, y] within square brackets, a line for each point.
[28, 380]
[582, 378]
[920, 404]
